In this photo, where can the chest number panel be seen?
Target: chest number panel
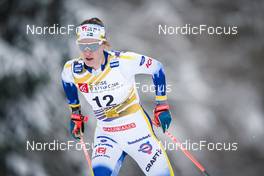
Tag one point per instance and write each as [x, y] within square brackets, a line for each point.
[108, 98]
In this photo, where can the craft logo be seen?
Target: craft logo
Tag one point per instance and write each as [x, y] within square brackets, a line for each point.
[83, 87]
[119, 128]
[153, 160]
[145, 148]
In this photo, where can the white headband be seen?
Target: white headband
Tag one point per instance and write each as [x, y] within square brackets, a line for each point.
[91, 31]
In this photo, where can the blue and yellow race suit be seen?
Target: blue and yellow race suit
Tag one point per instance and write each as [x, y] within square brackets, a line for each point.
[123, 127]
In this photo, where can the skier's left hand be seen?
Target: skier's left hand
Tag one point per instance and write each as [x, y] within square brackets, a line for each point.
[162, 116]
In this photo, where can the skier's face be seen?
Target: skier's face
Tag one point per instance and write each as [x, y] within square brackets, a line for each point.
[92, 52]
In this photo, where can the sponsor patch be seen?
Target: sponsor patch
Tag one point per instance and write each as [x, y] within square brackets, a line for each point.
[101, 150]
[117, 53]
[138, 140]
[142, 60]
[103, 86]
[77, 67]
[103, 140]
[120, 128]
[145, 148]
[149, 62]
[114, 63]
[96, 156]
[105, 144]
[83, 87]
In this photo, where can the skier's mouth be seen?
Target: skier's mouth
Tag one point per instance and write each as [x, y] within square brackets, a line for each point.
[88, 59]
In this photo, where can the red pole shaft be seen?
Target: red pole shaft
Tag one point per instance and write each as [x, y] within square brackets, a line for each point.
[185, 151]
[87, 157]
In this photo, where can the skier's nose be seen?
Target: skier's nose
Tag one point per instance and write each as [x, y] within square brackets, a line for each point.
[87, 53]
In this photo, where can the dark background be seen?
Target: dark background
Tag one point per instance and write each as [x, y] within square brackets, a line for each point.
[217, 81]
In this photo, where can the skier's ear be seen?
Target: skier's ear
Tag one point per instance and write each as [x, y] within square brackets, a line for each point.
[106, 44]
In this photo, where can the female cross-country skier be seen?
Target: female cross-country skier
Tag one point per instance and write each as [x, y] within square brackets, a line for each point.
[106, 78]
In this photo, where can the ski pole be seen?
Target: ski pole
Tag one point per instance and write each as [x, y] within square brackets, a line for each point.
[86, 154]
[87, 157]
[185, 151]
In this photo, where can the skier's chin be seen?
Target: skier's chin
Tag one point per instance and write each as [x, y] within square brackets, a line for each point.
[89, 62]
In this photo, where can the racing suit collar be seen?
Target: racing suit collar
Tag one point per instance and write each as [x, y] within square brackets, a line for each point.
[106, 54]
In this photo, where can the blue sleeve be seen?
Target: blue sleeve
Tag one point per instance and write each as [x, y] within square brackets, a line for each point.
[132, 64]
[71, 94]
[159, 81]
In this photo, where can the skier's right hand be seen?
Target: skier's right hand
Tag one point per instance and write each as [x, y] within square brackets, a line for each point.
[77, 125]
